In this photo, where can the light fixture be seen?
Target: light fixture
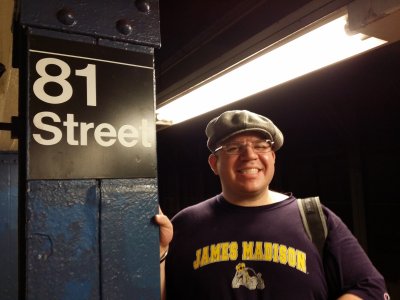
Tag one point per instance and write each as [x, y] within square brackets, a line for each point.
[305, 51]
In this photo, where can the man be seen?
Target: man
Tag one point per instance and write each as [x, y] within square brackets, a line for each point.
[249, 242]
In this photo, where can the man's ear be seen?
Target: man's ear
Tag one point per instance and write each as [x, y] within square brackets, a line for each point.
[212, 161]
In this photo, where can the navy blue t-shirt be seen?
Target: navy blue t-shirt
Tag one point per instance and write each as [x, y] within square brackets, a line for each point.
[223, 251]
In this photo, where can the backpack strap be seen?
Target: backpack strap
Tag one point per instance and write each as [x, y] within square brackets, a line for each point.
[314, 221]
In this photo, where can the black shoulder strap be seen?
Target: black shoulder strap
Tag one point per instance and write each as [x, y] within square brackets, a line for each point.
[314, 221]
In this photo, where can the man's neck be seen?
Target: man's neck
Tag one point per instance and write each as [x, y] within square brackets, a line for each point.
[269, 197]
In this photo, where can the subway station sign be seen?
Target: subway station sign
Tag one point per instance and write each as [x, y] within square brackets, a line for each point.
[90, 111]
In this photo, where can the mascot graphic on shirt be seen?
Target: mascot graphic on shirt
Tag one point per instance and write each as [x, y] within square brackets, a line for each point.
[243, 277]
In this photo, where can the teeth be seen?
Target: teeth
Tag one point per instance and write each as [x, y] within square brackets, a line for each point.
[249, 171]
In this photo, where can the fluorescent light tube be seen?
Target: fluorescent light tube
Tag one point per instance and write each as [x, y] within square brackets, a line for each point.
[314, 50]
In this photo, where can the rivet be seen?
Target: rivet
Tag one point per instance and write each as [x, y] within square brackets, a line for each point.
[124, 26]
[143, 5]
[66, 16]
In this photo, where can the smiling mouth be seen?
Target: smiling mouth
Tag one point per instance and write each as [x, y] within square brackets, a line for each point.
[249, 171]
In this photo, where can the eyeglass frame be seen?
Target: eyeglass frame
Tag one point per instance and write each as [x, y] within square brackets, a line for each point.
[242, 145]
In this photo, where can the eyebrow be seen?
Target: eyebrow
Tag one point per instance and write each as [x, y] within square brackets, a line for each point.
[243, 141]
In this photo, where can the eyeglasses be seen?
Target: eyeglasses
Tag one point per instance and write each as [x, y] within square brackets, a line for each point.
[260, 146]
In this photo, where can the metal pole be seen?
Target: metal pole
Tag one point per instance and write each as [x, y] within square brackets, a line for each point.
[87, 149]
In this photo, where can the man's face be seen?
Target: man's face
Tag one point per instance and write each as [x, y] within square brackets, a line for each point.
[246, 175]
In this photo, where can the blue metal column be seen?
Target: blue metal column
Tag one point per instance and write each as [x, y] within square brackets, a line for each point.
[8, 226]
[129, 247]
[63, 250]
[87, 226]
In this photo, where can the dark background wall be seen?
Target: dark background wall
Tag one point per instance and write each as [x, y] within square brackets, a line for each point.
[341, 127]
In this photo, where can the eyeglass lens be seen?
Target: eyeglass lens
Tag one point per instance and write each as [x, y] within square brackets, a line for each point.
[261, 146]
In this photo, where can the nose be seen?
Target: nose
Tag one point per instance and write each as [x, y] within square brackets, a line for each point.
[248, 152]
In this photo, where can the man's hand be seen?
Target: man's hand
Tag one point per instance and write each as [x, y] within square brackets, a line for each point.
[166, 231]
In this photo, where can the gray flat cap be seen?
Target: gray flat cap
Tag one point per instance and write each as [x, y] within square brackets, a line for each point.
[233, 122]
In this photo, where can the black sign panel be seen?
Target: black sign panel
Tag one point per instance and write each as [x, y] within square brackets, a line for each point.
[90, 111]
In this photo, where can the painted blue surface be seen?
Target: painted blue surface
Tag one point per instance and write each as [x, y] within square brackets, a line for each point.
[8, 226]
[77, 290]
[62, 239]
[130, 251]
[89, 239]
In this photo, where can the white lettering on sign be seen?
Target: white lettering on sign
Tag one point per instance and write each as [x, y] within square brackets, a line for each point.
[38, 87]
[50, 123]
[57, 134]
[104, 134]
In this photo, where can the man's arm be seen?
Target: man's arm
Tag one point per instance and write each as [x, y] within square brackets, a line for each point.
[347, 267]
[166, 233]
[162, 281]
